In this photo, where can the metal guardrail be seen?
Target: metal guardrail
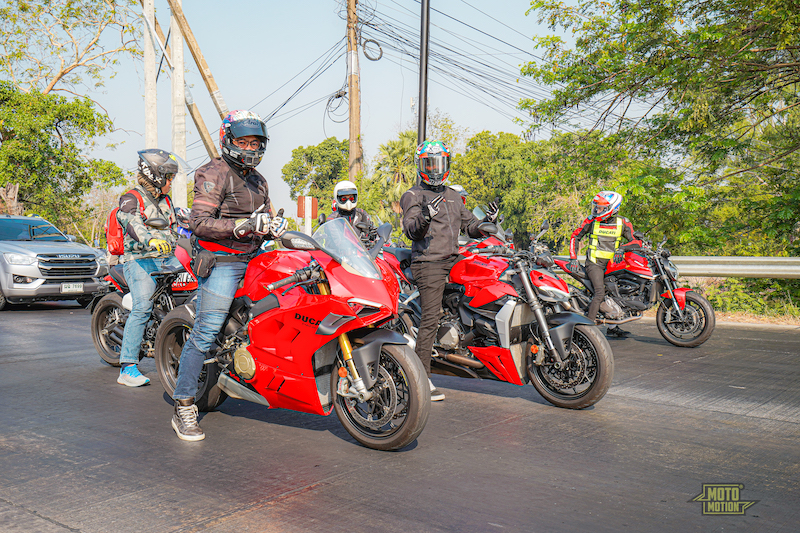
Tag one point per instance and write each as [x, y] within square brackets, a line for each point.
[734, 267]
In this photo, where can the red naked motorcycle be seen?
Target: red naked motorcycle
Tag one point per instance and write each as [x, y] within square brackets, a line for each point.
[110, 310]
[304, 333]
[645, 278]
[507, 317]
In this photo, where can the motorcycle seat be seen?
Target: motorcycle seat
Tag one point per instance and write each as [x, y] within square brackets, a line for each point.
[118, 274]
[402, 254]
[168, 269]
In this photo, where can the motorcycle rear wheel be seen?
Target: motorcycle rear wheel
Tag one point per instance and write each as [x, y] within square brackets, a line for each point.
[697, 326]
[395, 416]
[587, 376]
[107, 315]
[172, 335]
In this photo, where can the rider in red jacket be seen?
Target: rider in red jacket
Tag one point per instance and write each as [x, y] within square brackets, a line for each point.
[606, 230]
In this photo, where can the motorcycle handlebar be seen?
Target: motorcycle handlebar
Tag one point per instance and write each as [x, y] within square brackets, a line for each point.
[301, 275]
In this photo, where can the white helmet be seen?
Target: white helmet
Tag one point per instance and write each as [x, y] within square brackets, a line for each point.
[345, 194]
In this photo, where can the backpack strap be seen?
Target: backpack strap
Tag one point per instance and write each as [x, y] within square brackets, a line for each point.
[141, 202]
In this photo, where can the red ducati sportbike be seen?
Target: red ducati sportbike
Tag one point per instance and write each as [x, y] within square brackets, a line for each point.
[315, 345]
[507, 318]
[645, 278]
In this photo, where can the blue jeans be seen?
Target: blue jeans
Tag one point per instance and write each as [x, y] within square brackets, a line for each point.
[214, 296]
[142, 287]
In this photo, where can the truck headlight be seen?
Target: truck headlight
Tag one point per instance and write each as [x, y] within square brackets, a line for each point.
[19, 259]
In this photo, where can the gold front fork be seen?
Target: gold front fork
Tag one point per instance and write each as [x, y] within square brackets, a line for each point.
[347, 353]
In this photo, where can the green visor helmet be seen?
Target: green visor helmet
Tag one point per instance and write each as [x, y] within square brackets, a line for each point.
[433, 162]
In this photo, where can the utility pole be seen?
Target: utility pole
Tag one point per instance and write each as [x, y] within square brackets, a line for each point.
[422, 103]
[194, 48]
[150, 92]
[354, 95]
[179, 185]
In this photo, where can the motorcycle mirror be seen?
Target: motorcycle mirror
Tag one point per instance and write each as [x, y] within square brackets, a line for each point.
[545, 225]
[294, 240]
[509, 235]
[665, 239]
[157, 223]
[638, 235]
[488, 228]
[321, 219]
[385, 231]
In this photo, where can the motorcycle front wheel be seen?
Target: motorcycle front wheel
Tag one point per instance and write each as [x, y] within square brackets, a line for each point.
[398, 410]
[172, 335]
[107, 327]
[696, 327]
[586, 375]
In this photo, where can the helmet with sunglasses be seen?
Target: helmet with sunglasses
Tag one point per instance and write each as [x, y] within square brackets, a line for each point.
[605, 205]
[433, 162]
[157, 166]
[237, 124]
[345, 196]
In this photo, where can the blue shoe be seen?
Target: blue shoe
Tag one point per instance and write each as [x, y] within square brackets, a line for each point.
[131, 377]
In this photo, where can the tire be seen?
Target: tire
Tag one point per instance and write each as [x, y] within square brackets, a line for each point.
[588, 376]
[403, 402]
[108, 315]
[695, 330]
[3, 300]
[172, 334]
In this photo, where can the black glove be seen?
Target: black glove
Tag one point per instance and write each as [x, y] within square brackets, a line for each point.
[573, 265]
[492, 210]
[373, 233]
[244, 226]
[431, 209]
[619, 256]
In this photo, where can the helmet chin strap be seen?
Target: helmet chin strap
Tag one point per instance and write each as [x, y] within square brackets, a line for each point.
[434, 188]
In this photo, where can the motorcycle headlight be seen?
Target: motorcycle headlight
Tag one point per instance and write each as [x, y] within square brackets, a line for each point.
[672, 270]
[19, 259]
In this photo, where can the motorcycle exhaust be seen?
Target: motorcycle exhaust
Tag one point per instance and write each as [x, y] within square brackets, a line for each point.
[234, 389]
[463, 360]
[116, 334]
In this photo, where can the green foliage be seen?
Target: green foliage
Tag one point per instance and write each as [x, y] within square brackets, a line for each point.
[758, 297]
[43, 137]
[315, 170]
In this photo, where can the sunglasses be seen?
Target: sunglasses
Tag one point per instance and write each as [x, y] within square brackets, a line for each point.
[348, 198]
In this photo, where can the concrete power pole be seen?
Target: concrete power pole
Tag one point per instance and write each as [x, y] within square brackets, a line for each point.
[179, 192]
[150, 92]
[354, 95]
[194, 48]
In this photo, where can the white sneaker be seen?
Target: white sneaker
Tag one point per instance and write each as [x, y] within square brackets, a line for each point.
[436, 394]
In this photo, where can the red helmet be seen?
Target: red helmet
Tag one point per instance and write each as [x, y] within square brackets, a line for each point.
[605, 205]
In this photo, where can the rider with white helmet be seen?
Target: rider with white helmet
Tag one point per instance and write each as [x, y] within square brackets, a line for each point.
[345, 200]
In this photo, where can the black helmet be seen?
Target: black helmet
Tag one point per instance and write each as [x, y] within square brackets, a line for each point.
[241, 123]
[157, 166]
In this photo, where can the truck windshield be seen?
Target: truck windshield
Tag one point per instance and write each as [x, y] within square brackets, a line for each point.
[33, 229]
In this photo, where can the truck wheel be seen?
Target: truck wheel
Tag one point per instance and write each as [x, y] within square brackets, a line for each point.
[3, 300]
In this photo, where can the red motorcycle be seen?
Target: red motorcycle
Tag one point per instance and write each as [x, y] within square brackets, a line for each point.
[317, 345]
[507, 318]
[646, 278]
[110, 310]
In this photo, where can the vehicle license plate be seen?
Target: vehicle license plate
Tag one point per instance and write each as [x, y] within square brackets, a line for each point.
[72, 287]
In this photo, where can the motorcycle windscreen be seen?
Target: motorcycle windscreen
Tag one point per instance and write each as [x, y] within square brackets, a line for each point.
[338, 238]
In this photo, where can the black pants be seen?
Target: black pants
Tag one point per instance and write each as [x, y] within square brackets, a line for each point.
[596, 272]
[431, 277]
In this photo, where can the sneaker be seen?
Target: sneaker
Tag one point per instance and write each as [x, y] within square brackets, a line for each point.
[131, 377]
[184, 421]
[616, 331]
[436, 394]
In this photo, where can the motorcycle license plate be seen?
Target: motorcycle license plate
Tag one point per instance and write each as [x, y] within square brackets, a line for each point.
[71, 287]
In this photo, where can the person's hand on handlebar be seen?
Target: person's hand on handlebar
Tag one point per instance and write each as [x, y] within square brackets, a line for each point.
[160, 245]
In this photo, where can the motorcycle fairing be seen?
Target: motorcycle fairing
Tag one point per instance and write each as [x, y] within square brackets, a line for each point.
[633, 263]
[499, 361]
[480, 277]
[370, 353]
[680, 296]
[562, 325]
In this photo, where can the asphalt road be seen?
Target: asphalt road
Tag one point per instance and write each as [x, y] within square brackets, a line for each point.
[78, 452]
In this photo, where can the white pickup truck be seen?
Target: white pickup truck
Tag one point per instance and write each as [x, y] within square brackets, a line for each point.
[38, 262]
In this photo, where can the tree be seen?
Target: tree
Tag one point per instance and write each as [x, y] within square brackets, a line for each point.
[58, 45]
[42, 136]
[315, 170]
[395, 173]
[699, 78]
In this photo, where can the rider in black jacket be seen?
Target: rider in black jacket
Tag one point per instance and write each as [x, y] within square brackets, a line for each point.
[433, 215]
[345, 200]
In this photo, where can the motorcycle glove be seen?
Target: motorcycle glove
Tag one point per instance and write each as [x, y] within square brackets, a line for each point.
[244, 226]
[573, 265]
[619, 256]
[278, 226]
[492, 211]
[431, 209]
[160, 245]
[263, 224]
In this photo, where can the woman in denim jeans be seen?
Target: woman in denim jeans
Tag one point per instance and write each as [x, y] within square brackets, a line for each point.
[146, 250]
[227, 193]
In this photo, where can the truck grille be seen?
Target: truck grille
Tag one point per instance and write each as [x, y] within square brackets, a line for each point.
[63, 266]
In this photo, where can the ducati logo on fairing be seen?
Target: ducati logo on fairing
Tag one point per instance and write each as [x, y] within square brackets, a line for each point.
[306, 319]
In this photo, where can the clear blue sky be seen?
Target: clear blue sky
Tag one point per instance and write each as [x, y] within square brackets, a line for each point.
[255, 47]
